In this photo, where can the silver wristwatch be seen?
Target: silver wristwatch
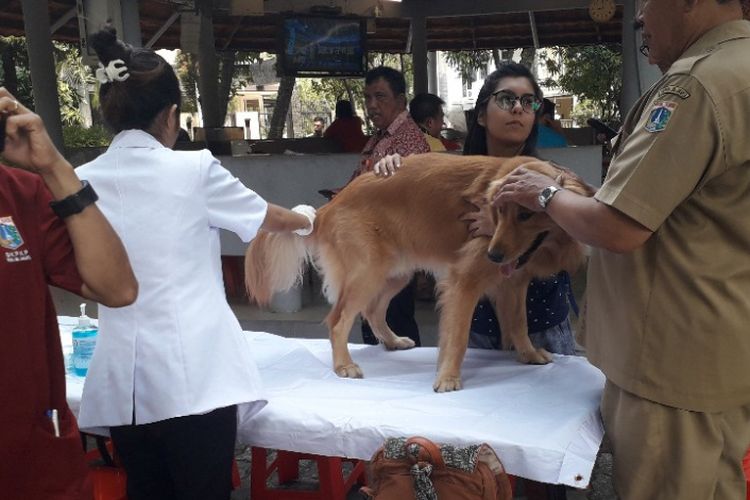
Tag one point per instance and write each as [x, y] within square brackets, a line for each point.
[546, 196]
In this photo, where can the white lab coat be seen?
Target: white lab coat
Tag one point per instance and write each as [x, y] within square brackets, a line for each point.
[178, 350]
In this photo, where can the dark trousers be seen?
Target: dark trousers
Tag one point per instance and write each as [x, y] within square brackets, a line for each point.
[182, 458]
[400, 317]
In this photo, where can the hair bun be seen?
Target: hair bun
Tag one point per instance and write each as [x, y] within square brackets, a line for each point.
[107, 46]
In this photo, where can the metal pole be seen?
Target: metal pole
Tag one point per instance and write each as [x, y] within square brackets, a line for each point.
[42, 65]
[432, 76]
[131, 23]
[419, 53]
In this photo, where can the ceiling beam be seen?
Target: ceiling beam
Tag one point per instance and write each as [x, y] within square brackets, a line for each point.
[161, 31]
[63, 19]
[430, 8]
[534, 33]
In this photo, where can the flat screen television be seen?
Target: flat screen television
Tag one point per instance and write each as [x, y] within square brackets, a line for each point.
[322, 46]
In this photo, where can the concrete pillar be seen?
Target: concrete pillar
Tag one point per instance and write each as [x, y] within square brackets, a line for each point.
[419, 53]
[432, 77]
[637, 74]
[42, 66]
[131, 23]
[208, 73]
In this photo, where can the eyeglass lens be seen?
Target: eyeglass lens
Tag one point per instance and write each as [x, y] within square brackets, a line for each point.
[506, 100]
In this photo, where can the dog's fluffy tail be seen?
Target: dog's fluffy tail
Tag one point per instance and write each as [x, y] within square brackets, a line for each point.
[274, 262]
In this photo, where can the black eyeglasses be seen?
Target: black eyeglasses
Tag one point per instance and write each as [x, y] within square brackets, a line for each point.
[506, 101]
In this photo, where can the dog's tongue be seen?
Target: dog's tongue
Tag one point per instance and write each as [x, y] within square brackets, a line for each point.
[507, 269]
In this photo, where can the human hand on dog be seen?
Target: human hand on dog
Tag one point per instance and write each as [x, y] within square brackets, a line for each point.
[388, 165]
[308, 212]
[480, 221]
[523, 187]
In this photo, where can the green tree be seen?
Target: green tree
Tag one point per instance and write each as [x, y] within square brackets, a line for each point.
[14, 70]
[73, 77]
[238, 63]
[591, 73]
[187, 72]
[73, 82]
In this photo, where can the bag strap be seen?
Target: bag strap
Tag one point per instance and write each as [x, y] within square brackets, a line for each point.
[421, 449]
[101, 445]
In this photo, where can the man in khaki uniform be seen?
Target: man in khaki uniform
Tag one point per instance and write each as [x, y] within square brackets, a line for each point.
[668, 305]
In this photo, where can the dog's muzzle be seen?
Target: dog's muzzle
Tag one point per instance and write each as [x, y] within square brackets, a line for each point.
[497, 257]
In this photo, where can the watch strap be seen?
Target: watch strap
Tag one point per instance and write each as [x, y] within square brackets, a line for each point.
[76, 202]
[546, 195]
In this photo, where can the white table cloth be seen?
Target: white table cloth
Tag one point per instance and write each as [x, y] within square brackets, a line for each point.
[543, 421]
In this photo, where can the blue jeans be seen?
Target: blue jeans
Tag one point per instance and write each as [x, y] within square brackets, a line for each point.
[558, 339]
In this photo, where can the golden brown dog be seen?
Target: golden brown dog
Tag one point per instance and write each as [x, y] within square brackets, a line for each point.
[374, 234]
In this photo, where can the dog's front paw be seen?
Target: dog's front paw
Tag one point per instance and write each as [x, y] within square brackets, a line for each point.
[349, 371]
[447, 384]
[534, 357]
[399, 344]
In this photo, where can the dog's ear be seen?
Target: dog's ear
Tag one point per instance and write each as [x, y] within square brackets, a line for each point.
[492, 189]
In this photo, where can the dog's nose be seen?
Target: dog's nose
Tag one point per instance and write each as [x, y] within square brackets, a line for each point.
[495, 256]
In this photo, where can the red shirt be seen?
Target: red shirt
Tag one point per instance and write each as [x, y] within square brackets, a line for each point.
[34, 251]
[347, 131]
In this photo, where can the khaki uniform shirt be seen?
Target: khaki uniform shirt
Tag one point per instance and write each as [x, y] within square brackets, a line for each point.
[670, 321]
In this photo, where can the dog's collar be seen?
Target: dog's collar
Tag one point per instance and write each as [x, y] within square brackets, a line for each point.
[524, 258]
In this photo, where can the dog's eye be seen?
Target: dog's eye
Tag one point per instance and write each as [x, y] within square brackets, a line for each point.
[522, 216]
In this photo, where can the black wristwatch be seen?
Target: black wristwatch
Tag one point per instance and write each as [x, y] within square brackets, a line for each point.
[76, 202]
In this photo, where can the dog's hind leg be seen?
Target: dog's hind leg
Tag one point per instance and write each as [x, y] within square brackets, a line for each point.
[353, 298]
[376, 311]
[458, 298]
[340, 321]
[510, 307]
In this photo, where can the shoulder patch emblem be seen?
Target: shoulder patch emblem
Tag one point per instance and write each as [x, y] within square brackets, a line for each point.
[659, 116]
[10, 237]
[674, 90]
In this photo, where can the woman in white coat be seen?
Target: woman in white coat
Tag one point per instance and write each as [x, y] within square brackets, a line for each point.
[170, 371]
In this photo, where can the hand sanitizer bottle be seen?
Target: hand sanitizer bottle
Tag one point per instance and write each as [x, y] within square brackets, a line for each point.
[84, 341]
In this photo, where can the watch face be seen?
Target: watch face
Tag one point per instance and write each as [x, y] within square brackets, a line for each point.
[546, 195]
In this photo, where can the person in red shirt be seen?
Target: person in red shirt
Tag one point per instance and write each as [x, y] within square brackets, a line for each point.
[68, 244]
[346, 129]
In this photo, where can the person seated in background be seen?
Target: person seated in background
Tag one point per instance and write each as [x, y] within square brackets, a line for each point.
[550, 131]
[51, 233]
[346, 129]
[319, 124]
[427, 111]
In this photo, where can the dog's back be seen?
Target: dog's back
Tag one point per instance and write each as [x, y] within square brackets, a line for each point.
[411, 217]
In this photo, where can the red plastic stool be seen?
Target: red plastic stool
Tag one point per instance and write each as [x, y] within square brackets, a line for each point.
[746, 467]
[107, 475]
[333, 485]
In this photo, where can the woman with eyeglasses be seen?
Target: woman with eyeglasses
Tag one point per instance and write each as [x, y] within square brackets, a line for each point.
[504, 123]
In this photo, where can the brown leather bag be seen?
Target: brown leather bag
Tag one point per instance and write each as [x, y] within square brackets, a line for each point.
[416, 468]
